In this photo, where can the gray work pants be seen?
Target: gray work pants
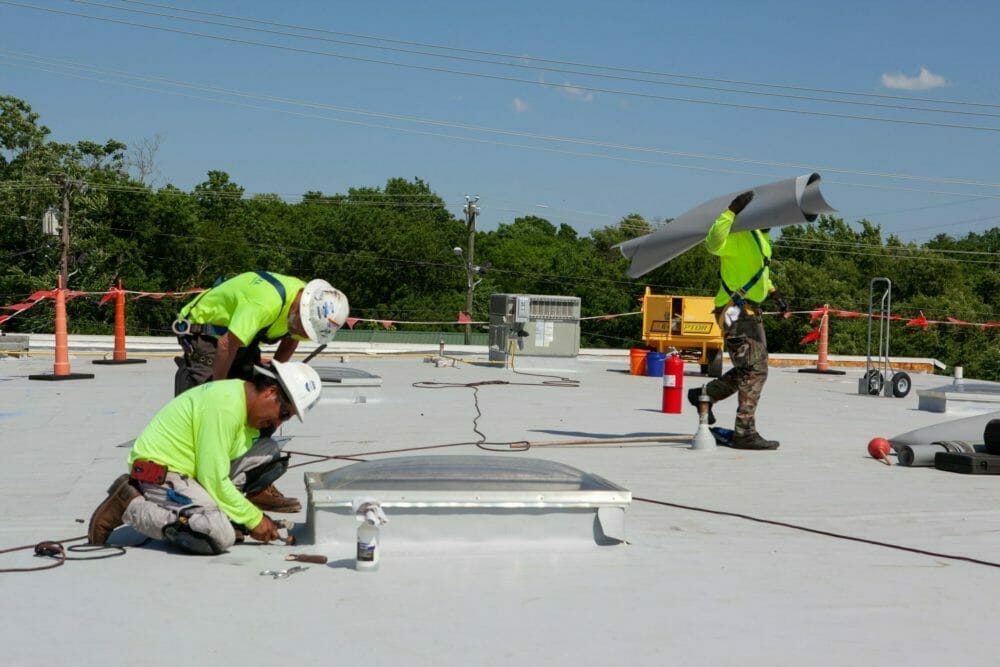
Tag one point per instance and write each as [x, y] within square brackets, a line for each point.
[195, 367]
[157, 510]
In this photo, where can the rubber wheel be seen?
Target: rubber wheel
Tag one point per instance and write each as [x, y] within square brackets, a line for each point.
[715, 364]
[874, 382]
[901, 385]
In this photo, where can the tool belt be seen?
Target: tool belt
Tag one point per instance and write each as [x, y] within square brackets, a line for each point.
[150, 472]
[182, 327]
[191, 354]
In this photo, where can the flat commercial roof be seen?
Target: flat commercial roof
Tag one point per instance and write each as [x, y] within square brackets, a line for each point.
[698, 582]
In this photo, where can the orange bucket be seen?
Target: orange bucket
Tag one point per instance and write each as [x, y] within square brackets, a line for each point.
[637, 360]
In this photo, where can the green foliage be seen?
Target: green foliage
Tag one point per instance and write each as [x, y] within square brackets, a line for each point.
[390, 249]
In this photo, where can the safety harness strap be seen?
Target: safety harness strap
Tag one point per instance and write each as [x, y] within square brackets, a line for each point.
[183, 327]
[738, 297]
[262, 334]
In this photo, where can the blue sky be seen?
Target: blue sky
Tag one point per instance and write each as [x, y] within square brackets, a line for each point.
[615, 145]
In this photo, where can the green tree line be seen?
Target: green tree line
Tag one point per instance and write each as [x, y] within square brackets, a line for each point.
[389, 248]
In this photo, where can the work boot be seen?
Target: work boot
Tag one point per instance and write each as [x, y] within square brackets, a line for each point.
[752, 440]
[693, 395]
[108, 514]
[272, 500]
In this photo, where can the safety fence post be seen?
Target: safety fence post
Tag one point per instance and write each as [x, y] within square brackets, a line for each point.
[119, 356]
[60, 368]
[822, 363]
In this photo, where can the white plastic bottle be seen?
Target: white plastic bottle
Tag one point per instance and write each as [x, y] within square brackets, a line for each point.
[367, 558]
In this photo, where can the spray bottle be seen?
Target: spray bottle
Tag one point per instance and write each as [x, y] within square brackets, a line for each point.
[368, 552]
[370, 516]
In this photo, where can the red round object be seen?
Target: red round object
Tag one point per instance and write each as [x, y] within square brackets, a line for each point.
[879, 448]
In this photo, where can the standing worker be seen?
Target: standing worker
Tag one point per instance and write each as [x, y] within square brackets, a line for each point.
[221, 331]
[745, 283]
[190, 466]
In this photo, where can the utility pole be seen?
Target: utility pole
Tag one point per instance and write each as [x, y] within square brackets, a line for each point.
[471, 209]
[61, 368]
[64, 270]
[68, 185]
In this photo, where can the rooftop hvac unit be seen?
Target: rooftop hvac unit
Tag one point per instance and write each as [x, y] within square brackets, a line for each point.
[539, 325]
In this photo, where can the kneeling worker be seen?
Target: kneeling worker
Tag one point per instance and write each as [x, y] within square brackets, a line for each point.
[190, 462]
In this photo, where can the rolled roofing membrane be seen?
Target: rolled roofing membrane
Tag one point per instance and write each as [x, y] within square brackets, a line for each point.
[469, 498]
[923, 455]
[789, 202]
[969, 429]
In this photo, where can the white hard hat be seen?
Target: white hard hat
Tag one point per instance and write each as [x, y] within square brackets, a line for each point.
[323, 309]
[300, 382]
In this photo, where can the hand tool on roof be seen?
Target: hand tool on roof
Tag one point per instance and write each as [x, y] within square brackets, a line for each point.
[283, 574]
[307, 558]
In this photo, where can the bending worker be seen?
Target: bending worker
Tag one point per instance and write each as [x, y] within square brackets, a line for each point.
[191, 465]
[746, 282]
[221, 331]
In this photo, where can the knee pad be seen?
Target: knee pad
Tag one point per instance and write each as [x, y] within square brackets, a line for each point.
[181, 535]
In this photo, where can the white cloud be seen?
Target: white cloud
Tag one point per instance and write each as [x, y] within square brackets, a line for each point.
[520, 106]
[923, 81]
[571, 91]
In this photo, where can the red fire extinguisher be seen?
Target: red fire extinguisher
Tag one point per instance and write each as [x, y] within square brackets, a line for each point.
[673, 383]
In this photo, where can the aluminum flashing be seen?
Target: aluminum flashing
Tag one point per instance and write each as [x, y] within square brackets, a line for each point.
[469, 498]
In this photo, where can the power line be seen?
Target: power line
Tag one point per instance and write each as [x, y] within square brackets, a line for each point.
[474, 128]
[715, 103]
[522, 57]
[513, 64]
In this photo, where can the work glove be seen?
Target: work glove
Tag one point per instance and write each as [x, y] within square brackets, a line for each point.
[741, 202]
[779, 300]
[265, 531]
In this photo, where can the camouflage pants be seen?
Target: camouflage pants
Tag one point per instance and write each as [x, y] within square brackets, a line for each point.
[746, 344]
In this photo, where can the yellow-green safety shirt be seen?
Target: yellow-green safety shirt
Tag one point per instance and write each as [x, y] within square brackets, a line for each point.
[741, 258]
[246, 304]
[199, 434]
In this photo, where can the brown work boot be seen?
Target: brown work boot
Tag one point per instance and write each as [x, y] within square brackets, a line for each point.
[272, 500]
[108, 514]
[752, 440]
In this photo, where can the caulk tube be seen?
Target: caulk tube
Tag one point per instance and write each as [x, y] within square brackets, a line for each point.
[370, 516]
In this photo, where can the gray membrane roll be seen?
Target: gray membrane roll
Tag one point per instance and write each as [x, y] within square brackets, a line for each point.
[966, 428]
[789, 202]
[923, 455]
